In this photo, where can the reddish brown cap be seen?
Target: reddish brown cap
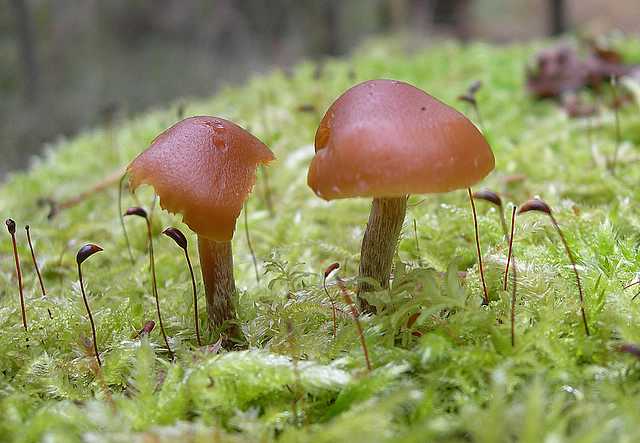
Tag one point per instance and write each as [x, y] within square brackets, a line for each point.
[385, 138]
[203, 168]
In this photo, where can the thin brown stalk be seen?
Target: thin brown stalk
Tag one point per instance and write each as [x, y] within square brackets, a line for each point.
[35, 265]
[328, 271]
[155, 286]
[55, 207]
[195, 298]
[177, 236]
[485, 299]
[631, 284]
[506, 270]
[333, 307]
[513, 304]
[514, 282]
[575, 271]
[101, 186]
[11, 227]
[540, 206]
[356, 320]
[84, 253]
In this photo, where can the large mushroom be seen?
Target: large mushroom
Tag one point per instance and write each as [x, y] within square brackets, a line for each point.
[204, 168]
[385, 139]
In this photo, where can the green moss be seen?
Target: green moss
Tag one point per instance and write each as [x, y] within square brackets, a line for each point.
[459, 381]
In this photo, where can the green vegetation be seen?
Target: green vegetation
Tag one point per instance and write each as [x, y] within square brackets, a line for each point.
[453, 376]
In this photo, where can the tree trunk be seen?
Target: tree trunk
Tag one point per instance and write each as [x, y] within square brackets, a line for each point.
[557, 17]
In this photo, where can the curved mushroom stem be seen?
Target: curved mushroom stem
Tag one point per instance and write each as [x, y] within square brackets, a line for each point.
[379, 244]
[216, 261]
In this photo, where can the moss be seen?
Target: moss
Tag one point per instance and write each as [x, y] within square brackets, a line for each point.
[457, 380]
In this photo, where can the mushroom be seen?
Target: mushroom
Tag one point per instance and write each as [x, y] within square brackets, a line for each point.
[204, 168]
[385, 139]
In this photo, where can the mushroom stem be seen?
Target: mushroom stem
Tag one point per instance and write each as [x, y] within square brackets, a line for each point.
[216, 261]
[379, 245]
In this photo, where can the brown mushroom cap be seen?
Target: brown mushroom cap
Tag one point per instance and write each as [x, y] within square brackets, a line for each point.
[385, 138]
[203, 168]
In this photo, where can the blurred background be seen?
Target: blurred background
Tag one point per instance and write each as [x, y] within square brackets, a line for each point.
[72, 64]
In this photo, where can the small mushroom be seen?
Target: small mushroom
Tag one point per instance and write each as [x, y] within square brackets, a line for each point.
[385, 139]
[204, 168]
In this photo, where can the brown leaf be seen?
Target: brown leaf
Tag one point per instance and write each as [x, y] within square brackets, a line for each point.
[560, 70]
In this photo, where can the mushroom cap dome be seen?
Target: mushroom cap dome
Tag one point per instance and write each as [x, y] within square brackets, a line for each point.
[203, 168]
[386, 138]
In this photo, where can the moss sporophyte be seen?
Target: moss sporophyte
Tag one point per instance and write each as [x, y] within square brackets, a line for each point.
[83, 254]
[140, 212]
[178, 237]
[11, 227]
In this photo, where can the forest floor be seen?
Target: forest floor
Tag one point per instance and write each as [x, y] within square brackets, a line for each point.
[452, 376]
